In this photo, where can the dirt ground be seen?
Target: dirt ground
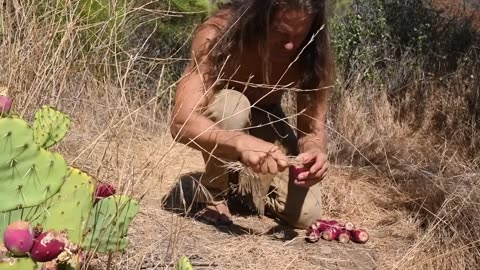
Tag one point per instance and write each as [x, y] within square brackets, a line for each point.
[158, 237]
[253, 242]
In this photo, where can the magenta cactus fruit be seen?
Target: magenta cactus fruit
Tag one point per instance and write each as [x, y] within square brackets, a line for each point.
[313, 234]
[18, 238]
[104, 190]
[330, 233]
[295, 171]
[322, 225]
[5, 104]
[343, 236]
[359, 236]
[349, 226]
[47, 246]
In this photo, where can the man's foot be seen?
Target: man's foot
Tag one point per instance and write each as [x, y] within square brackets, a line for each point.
[217, 214]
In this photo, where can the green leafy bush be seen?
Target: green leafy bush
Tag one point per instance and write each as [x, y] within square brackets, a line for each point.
[372, 35]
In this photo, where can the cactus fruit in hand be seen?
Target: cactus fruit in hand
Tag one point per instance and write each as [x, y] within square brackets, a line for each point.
[50, 126]
[108, 224]
[18, 238]
[48, 246]
[296, 170]
[29, 174]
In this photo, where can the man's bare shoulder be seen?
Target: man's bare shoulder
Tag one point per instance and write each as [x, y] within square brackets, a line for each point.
[209, 31]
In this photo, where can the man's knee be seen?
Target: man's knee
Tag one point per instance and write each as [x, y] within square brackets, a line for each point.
[310, 212]
[230, 109]
[297, 206]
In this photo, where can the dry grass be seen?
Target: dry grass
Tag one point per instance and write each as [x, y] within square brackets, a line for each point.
[429, 177]
[415, 193]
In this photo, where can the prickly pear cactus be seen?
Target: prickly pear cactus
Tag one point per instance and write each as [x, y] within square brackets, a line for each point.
[38, 186]
[108, 224]
[23, 263]
[50, 126]
[184, 264]
[29, 174]
[68, 210]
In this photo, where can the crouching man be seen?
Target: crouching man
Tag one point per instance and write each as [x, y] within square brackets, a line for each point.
[227, 105]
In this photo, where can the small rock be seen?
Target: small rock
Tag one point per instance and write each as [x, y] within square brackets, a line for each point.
[325, 250]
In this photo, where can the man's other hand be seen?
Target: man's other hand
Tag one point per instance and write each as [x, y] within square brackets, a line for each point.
[263, 157]
[316, 163]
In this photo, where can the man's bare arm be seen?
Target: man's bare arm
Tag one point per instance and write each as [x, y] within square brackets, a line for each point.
[189, 126]
[312, 122]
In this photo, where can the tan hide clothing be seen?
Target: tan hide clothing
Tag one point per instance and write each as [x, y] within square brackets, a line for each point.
[297, 206]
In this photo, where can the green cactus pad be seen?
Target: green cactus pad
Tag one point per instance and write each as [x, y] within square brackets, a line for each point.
[30, 214]
[108, 224]
[184, 264]
[68, 210]
[23, 263]
[29, 174]
[50, 126]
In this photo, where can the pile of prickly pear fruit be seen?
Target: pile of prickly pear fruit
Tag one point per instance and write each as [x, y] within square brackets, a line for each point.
[332, 230]
[52, 214]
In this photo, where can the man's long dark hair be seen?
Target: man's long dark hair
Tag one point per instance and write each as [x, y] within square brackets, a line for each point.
[249, 24]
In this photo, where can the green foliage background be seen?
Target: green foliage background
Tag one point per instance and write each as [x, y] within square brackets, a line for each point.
[383, 42]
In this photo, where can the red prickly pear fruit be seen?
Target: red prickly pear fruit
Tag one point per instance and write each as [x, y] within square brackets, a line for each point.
[330, 233]
[313, 235]
[349, 226]
[104, 190]
[344, 236]
[5, 104]
[322, 225]
[359, 236]
[18, 238]
[295, 171]
[334, 223]
[47, 246]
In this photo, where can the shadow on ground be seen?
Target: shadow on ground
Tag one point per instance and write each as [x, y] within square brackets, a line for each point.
[180, 200]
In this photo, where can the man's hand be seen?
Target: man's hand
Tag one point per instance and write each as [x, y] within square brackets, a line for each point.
[263, 157]
[315, 160]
